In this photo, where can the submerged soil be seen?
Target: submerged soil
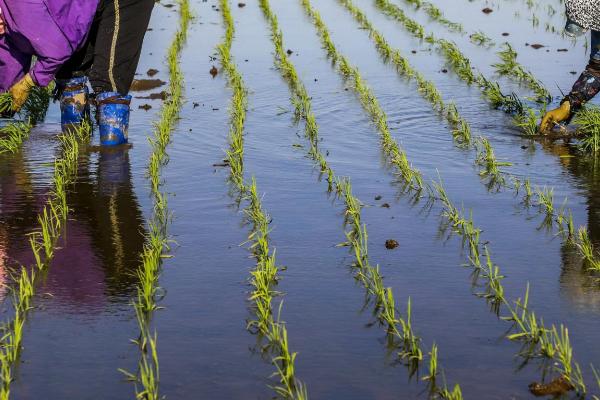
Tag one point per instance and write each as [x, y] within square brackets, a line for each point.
[80, 332]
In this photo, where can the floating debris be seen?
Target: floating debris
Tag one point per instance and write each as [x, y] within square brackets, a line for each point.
[391, 244]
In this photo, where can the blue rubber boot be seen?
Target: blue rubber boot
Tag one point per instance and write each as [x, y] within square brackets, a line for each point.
[74, 102]
[113, 118]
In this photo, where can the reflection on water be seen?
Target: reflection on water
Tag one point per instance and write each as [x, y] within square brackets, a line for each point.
[100, 247]
[579, 286]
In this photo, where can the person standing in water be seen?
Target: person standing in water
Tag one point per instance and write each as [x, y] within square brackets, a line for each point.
[75, 42]
[582, 15]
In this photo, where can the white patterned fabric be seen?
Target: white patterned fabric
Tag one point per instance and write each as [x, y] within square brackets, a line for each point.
[585, 13]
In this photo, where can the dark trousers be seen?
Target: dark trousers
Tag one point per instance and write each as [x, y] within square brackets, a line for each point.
[111, 53]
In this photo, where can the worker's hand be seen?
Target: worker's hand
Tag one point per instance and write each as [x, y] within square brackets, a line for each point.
[2, 24]
[20, 92]
[557, 115]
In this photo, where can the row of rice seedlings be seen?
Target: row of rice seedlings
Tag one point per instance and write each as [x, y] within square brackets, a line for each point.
[460, 63]
[537, 340]
[525, 117]
[264, 276]
[157, 244]
[399, 329]
[460, 128]
[43, 242]
[509, 66]
[396, 156]
[465, 227]
[436, 14]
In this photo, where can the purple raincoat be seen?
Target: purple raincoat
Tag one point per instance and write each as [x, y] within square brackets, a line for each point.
[51, 30]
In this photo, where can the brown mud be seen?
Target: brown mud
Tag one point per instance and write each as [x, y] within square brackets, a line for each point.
[557, 387]
[143, 85]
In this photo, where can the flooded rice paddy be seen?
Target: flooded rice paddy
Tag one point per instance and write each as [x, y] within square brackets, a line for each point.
[323, 220]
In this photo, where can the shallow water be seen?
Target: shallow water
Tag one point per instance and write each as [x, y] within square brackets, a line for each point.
[79, 333]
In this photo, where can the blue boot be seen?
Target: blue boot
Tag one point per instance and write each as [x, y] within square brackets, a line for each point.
[74, 101]
[113, 118]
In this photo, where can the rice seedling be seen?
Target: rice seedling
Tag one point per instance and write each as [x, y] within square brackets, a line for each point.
[587, 250]
[587, 121]
[481, 39]
[436, 14]
[510, 66]
[13, 135]
[597, 376]
[156, 246]
[5, 102]
[528, 120]
[36, 106]
[491, 167]
[550, 343]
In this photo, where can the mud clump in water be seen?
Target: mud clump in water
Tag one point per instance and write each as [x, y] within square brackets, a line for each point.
[391, 244]
[155, 96]
[142, 85]
[214, 71]
[556, 387]
[151, 72]
[487, 10]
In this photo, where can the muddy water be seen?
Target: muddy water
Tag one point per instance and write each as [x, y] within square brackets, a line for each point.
[79, 334]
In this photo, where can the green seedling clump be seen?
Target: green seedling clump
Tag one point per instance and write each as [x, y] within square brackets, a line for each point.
[511, 67]
[34, 111]
[587, 121]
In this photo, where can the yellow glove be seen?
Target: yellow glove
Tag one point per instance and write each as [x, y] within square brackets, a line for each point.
[20, 92]
[554, 116]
